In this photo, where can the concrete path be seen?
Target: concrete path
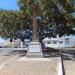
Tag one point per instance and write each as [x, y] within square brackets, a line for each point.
[4, 58]
[23, 66]
[69, 66]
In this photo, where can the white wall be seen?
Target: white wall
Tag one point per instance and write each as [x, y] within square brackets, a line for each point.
[64, 44]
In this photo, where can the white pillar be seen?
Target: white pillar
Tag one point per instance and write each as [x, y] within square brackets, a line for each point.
[21, 44]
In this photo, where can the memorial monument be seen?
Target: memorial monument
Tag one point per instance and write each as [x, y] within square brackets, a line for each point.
[34, 48]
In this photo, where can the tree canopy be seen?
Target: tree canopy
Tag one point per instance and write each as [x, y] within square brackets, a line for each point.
[55, 14]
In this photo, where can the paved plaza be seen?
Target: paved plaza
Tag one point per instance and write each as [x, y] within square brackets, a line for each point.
[20, 65]
[32, 67]
[69, 66]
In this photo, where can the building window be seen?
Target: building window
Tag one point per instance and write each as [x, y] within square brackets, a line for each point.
[66, 40]
[54, 42]
[49, 42]
[60, 42]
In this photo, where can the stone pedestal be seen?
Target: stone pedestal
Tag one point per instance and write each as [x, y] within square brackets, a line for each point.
[34, 50]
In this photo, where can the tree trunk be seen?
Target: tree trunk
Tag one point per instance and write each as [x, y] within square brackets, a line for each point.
[34, 34]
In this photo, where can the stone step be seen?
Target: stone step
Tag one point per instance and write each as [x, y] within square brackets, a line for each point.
[34, 55]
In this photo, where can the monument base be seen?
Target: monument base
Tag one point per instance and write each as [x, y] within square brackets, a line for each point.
[34, 50]
[34, 55]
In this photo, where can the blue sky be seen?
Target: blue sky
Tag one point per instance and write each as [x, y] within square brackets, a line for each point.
[8, 4]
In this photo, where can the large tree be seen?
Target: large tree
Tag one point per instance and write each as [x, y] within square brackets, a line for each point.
[43, 13]
[9, 22]
[57, 13]
[31, 8]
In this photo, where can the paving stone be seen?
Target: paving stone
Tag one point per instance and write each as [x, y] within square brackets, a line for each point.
[69, 66]
[16, 67]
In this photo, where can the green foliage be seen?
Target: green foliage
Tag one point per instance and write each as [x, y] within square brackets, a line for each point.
[56, 11]
[10, 20]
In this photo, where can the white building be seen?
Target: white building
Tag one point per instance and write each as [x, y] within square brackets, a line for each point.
[59, 42]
